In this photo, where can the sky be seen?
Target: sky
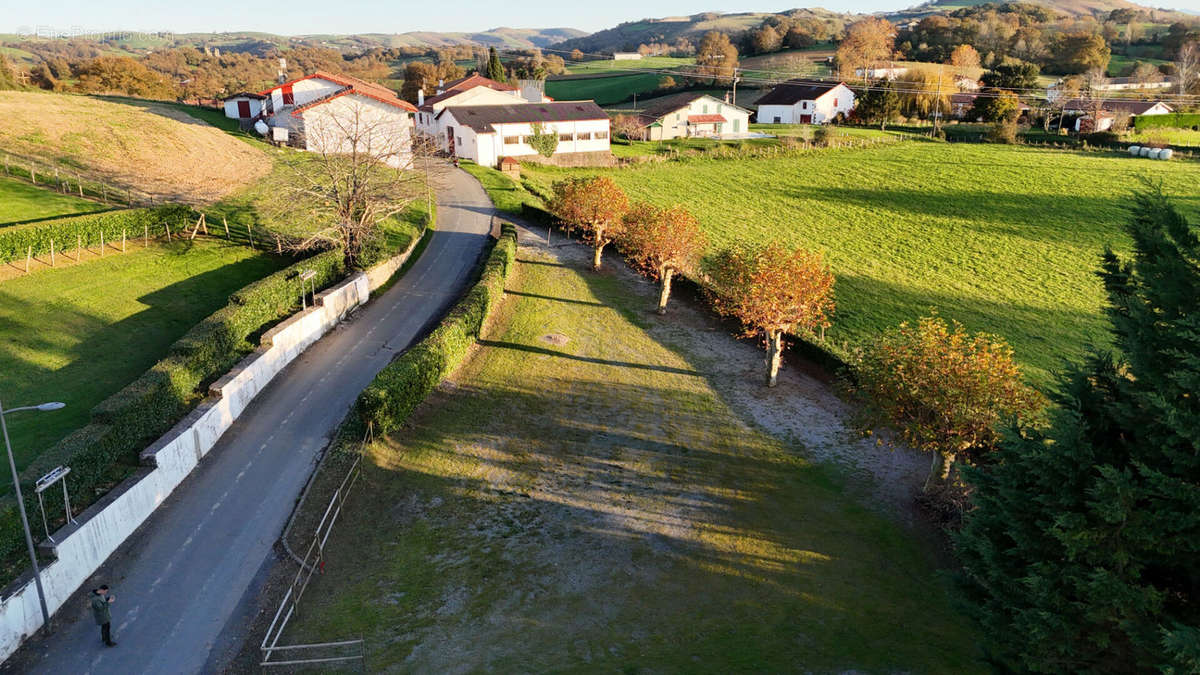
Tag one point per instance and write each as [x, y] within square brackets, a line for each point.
[297, 17]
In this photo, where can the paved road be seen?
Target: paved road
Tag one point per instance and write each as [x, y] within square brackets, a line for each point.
[179, 580]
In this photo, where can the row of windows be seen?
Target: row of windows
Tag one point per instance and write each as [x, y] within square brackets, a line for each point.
[581, 136]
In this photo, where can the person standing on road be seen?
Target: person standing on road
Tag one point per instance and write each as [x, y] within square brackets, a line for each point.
[100, 611]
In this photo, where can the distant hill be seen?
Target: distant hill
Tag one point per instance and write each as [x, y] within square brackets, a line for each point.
[627, 36]
[1071, 7]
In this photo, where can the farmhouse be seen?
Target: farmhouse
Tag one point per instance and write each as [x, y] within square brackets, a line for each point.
[471, 90]
[627, 56]
[688, 115]
[323, 112]
[1109, 109]
[244, 105]
[486, 133]
[797, 102]
[880, 73]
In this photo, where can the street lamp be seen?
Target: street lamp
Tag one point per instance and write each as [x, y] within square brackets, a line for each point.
[12, 464]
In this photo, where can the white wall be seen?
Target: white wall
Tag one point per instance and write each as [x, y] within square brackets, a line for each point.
[231, 107]
[82, 547]
[840, 99]
[473, 96]
[674, 124]
[304, 91]
[382, 130]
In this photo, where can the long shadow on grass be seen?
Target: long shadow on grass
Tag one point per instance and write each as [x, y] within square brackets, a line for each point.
[69, 351]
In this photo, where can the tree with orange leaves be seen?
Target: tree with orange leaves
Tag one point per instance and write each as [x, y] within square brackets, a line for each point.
[660, 242]
[594, 205]
[772, 289]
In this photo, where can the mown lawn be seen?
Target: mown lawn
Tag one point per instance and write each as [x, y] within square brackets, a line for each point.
[581, 498]
[79, 333]
[604, 90]
[21, 201]
[646, 62]
[1003, 239]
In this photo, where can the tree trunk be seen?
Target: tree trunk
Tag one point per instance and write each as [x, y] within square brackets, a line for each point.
[665, 293]
[774, 354]
[596, 252]
[939, 471]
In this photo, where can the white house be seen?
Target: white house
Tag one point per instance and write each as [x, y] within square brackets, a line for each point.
[486, 133]
[691, 114]
[880, 73]
[323, 112]
[627, 56]
[471, 90]
[244, 106]
[805, 103]
[1109, 108]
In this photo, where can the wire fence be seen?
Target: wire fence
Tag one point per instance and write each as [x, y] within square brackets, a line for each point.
[67, 180]
[348, 652]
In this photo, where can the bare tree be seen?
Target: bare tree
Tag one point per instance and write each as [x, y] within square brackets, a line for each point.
[361, 169]
[1187, 66]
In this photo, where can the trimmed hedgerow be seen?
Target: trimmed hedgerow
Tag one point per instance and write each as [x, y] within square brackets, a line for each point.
[16, 241]
[1176, 120]
[402, 385]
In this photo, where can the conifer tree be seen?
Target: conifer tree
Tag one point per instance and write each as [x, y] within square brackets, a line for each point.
[1083, 551]
[495, 69]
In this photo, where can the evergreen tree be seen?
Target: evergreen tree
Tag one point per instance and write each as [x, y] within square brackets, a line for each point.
[495, 69]
[879, 104]
[1083, 551]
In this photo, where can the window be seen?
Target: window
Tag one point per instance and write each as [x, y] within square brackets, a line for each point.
[512, 140]
[566, 137]
[601, 135]
[584, 136]
[706, 108]
[835, 102]
[776, 119]
[288, 97]
[804, 105]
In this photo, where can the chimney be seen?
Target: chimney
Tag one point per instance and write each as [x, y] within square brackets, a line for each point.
[420, 97]
[282, 71]
[441, 83]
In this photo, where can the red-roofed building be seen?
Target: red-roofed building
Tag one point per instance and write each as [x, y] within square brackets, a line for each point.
[472, 90]
[322, 111]
[692, 114]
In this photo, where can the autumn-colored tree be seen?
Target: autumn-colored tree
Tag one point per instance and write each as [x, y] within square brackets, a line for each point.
[666, 83]
[964, 56]
[716, 57]
[419, 76]
[628, 127]
[661, 242]
[926, 91]
[941, 391]
[772, 290]
[868, 43]
[595, 205]
[576, 55]
[1079, 51]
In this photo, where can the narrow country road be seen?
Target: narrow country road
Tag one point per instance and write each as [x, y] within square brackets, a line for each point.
[181, 577]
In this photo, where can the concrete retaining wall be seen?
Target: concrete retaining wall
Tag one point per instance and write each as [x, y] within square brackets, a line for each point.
[81, 547]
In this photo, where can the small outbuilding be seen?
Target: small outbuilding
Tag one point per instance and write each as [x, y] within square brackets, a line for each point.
[510, 167]
[244, 105]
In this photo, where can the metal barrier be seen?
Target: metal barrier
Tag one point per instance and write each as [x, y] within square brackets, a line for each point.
[313, 563]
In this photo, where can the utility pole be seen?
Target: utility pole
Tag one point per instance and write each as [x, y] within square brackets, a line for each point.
[735, 81]
[937, 103]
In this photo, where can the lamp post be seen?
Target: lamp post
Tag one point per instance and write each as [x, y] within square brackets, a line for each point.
[12, 464]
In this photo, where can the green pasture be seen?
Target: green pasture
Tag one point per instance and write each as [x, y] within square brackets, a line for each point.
[22, 202]
[645, 63]
[604, 90]
[1005, 239]
[582, 498]
[78, 333]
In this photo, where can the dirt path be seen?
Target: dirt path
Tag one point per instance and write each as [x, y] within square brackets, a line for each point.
[803, 409]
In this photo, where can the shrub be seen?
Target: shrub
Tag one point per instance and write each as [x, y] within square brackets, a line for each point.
[399, 388]
[1102, 138]
[1003, 132]
[826, 135]
[15, 241]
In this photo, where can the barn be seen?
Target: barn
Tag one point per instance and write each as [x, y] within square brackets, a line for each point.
[800, 102]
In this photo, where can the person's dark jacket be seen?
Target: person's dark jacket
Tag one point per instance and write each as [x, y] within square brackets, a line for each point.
[100, 609]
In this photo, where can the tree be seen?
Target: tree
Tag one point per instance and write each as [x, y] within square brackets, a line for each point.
[941, 391]
[1067, 89]
[1145, 73]
[495, 69]
[542, 139]
[868, 43]
[1079, 51]
[576, 55]
[716, 57]
[771, 290]
[352, 180]
[964, 56]
[878, 104]
[419, 76]
[666, 83]
[1015, 76]
[1082, 553]
[927, 91]
[660, 242]
[594, 205]
[628, 127]
[996, 105]
[1187, 66]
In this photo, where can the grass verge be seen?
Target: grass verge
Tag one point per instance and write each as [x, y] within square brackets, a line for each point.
[21, 202]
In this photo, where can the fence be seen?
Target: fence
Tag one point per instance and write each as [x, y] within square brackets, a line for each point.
[66, 181]
[313, 562]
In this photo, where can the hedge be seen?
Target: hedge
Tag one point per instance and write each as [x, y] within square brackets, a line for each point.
[1177, 120]
[400, 387]
[15, 241]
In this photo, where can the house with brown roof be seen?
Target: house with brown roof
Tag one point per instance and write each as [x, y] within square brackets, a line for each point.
[689, 115]
[487, 133]
[471, 90]
[1108, 109]
[804, 102]
[329, 113]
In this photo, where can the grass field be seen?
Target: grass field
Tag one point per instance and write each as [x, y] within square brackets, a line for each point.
[604, 90]
[1175, 137]
[582, 498]
[1004, 239]
[153, 149]
[21, 201]
[79, 333]
[646, 62]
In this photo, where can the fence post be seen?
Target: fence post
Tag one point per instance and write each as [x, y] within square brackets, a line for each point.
[52, 253]
[146, 237]
[78, 247]
[122, 241]
[226, 224]
[32, 174]
[28, 256]
[101, 243]
[168, 226]
[80, 187]
[250, 235]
